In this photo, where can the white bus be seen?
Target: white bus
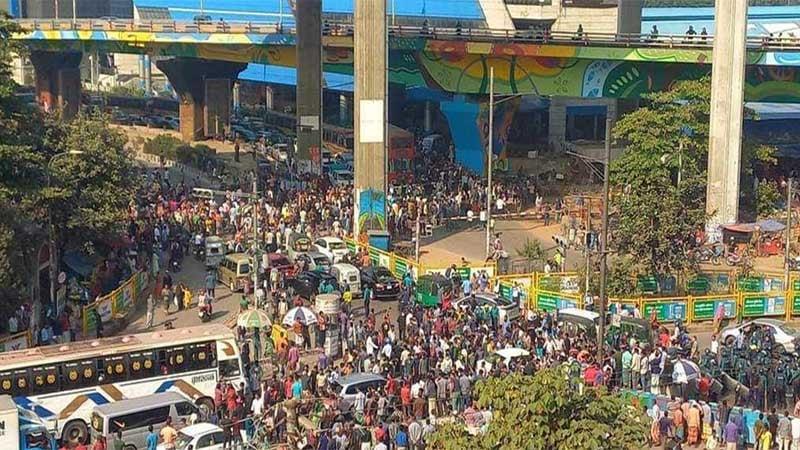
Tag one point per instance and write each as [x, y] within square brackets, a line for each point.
[62, 383]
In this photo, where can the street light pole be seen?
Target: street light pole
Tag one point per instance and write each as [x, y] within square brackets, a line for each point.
[604, 244]
[787, 249]
[255, 236]
[489, 166]
[74, 11]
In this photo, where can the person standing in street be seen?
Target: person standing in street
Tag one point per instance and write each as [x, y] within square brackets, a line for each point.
[152, 439]
[151, 312]
[168, 435]
[784, 432]
[367, 299]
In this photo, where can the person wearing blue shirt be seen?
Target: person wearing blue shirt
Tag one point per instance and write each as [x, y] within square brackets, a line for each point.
[152, 439]
[401, 439]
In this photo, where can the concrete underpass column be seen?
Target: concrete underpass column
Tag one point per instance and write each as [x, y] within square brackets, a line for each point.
[428, 116]
[370, 117]
[309, 85]
[204, 88]
[557, 123]
[58, 81]
[727, 97]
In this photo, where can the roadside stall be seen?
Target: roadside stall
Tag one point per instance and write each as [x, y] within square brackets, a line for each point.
[764, 236]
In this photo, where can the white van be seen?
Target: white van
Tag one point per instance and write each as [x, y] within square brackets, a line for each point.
[347, 275]
[203, 193]
[133, 416]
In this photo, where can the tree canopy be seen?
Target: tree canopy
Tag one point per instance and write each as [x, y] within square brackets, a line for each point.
[545, 411]
[88, 193]
[659, 181]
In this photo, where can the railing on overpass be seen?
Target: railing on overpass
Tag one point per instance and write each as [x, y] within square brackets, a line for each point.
[440, 33]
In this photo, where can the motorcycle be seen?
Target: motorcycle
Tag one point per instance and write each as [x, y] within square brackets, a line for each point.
[176, 265]
[710, 254]
[734, 259]
[204, 312]
[794, 263]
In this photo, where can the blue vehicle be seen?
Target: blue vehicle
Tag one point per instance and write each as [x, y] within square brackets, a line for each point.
[23, 430]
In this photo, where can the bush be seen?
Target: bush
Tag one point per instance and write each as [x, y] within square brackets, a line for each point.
[163, 145]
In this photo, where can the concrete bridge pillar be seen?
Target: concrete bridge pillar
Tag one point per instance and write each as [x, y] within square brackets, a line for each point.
[727, 103]
[370, 117]
[204, 88]
[58, 81]
[309, 85]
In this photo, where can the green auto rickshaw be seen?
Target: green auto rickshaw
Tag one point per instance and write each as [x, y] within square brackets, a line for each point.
[432, 289]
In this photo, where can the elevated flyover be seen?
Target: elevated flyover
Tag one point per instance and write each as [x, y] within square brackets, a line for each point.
[448, 59]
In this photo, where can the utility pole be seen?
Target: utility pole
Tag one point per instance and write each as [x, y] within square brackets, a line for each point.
[489, 166]
[74, 12]
[416, 236]
[787, 249]
[255, 236]
[604, 244]
[586, 243]
[55, 5]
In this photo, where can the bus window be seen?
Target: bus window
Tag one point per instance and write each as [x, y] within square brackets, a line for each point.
[78, 374]
[142, 365]
[14, 382]
[116, 368]
[176, 360]
[229, 368]
[201, 356]
[45, 379]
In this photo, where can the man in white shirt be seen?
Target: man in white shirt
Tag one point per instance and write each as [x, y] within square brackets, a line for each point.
[257, 407]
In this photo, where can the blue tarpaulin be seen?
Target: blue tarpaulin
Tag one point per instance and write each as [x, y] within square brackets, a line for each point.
[78, 263]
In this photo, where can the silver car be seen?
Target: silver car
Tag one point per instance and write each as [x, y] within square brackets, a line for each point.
[507, 308]
[348, 386]
[784, 336]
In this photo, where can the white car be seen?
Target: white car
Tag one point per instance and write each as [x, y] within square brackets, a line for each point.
[332, 247]
[784, 336]
[507, 309]
[201, 436]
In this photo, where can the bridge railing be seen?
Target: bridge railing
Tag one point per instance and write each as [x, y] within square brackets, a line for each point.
[438, 33]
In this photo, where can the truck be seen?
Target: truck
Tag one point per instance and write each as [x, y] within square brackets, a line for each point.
[21, 429]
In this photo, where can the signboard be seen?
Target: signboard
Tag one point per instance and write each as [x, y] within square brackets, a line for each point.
[705, 309]
[764, 305]
[647, 284]
[568, 284]
[550, 301]
[699, 285]
[750, 284]
[370, 126]
[667, 311]
[796, 304]
[17, 341]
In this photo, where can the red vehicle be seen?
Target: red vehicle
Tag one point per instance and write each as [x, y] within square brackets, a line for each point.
[401, 155]
[282, 263]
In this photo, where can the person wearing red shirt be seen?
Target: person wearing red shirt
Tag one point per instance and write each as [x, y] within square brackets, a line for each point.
[590, 375]
[405, 398]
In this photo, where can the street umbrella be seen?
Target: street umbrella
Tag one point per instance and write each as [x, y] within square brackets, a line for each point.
[684, 371]
[305, 315]
[253, 318]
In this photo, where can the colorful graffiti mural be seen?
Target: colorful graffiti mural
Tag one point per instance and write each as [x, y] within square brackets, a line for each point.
[462, 66]
[503, 116]
[371, 210]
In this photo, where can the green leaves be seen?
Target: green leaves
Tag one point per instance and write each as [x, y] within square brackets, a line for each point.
[544, 412]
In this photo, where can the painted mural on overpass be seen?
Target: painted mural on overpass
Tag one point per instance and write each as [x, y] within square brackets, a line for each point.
[463, 67]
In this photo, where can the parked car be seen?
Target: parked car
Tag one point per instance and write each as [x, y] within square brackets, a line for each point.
[315, 261]
[785, 337]
[508, 310]
[153, 121]
[172, 122]
[347, 387]
[306, 284]
[332, 247]
[384, 284]
[341, 177]
[282, 263]
[200, 436]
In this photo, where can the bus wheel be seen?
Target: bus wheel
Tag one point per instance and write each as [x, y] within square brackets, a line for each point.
[206, 406]
[75, 431]
[129, 447]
